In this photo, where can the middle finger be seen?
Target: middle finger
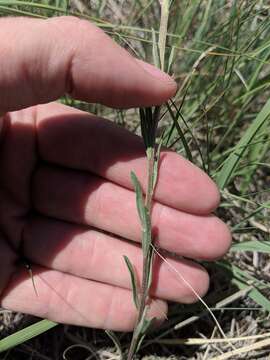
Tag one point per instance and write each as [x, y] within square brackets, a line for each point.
[83, 198]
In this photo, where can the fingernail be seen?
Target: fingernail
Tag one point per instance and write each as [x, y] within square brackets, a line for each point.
[155, 72]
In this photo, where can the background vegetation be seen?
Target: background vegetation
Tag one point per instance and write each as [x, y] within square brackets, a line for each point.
[219, 53]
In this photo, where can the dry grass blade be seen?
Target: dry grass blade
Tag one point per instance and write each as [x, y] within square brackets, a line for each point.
[246, 349]
[198, 341]
[195, 293]
[163, 30]
[195, 67]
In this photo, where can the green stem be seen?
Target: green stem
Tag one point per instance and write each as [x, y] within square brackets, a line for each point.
[151, 156]
[143, 300]
[151, 152]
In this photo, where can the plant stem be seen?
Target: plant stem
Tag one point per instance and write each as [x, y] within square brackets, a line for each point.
[151, 158]
[152, 169]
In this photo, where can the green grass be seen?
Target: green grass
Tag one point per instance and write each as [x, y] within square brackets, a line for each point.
[219, 53]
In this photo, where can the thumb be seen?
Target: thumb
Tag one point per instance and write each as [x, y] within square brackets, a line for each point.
[42, 60]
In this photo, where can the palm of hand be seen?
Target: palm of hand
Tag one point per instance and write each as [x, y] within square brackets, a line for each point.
[66, 204]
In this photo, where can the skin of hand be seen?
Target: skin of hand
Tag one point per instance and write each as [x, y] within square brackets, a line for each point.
[66, 199]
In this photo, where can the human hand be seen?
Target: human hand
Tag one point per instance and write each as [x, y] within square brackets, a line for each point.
[66, 199]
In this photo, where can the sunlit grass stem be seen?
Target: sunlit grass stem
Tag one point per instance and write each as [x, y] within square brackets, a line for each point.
[149, 124]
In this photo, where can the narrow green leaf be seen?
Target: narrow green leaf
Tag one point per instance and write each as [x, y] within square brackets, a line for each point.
[150, 260]
[150, 152]
[260, 299]
[133, 281]
[26, 334]
[143, 215]
[147, 323]
[63, 4]
[155, 49]
[156, 164]
[256, 153]
[139, 198]
[171, 58]
[242, 278]
[253, 245]
[230, 166]
[14, 11]
[204, 24]
[144, 327]
[147, 234]
[255, 294]
[181, 134]
[163, 30]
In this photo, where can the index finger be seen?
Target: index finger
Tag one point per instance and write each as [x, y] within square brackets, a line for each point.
[74, 139]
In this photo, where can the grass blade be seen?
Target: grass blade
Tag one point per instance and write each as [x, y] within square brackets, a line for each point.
[180, 133]
[133, 281]
[230, 166]
[155, 49]
[163, 30]
[116, 342]
[144, 215]
[253, 245]
[139, 197]
[26, 334]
